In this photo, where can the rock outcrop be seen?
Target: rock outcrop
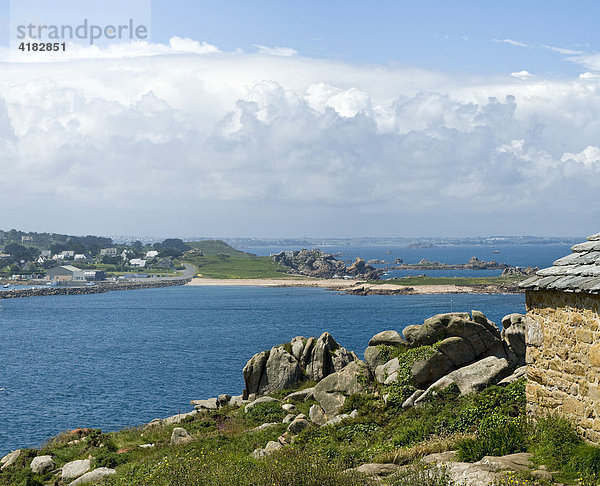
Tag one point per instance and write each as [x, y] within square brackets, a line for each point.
[74, 469]
[41, 464]
[286, 366]
[317, 263]
[513, 335]
[465, 350]
[180, 436]
[10, 458]
[94, 476]
[487, 471]
[332, 391]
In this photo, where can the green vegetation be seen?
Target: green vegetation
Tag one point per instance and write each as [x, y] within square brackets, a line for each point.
[500, 440]
[487, 423]
[460, 281]
[404, 387]
[219, 260]
[554, 442]
[216, 247]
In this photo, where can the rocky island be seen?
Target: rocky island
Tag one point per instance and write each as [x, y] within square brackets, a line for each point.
[317, 263]
[473, 263]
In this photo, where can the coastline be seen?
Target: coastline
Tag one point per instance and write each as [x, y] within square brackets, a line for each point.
[357, 287]
[96, 289]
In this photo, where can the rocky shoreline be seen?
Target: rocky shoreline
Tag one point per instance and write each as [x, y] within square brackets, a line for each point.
[390, 289]
[315, 383]
[96, 289]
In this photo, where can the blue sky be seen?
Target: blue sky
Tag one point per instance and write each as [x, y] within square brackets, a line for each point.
[446, 35]
[329, 118]
[453, 36]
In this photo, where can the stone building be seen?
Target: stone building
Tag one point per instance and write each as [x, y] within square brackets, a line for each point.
[563, 339]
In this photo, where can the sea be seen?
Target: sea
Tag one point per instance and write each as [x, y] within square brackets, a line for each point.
[124, 358]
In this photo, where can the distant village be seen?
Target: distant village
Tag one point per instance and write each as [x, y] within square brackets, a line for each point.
[62, 258]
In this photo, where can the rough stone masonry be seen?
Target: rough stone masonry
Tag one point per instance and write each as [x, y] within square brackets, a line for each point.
[563, 339]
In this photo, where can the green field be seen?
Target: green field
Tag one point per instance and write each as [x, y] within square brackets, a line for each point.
[223, 261]
[462, 281]
[225, 266]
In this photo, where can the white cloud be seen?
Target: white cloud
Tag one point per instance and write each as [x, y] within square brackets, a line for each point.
[276, 51]
[562, 50]
[589, 156]
[177, 45]
[246, 143]
[522, 75]
[589, 61]
[512, 42]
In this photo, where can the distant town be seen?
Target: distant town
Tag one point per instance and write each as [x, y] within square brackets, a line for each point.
[62, 258]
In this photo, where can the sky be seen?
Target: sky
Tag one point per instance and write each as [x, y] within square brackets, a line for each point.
[312, 118]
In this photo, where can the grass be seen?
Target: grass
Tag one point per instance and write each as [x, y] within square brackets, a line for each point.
[459, 281]
[224, 440]
[223, 261]
[226, 266]
[507, 438]
[487, 423]
[216, 247]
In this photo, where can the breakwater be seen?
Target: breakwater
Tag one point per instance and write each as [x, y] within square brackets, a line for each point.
[96, 289]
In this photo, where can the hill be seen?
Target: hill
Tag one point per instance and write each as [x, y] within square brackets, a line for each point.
[215, 247]
[216, 259]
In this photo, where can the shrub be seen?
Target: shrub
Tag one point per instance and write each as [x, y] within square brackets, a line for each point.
[387, 352]
[411, 434]
[586, 461]
[554, 440]
[262, 413]
[504, 439]
[404, 386]
[362, 402]
[487, 409]
[107, 458]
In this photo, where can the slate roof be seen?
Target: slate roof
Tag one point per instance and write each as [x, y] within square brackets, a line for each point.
[577, 272]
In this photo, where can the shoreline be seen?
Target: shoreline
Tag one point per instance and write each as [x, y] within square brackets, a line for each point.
[353, 287]
[96, 289]
[357, 287]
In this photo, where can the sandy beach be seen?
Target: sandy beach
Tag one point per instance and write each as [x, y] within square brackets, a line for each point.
[350, 286]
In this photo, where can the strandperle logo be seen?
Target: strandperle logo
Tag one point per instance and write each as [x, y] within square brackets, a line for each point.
[82, 32]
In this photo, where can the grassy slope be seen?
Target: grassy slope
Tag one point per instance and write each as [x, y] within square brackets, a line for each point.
[487, 423]
[223, 261]
[224, 441]
[214, 247]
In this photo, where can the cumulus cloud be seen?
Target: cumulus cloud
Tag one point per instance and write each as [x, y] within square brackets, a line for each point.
[199, 141]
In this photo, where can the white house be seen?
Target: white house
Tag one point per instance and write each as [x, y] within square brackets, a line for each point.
[151, 254]
[137, 262]
[110, 252]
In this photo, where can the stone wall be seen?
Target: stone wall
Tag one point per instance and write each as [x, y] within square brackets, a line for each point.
[563, 357]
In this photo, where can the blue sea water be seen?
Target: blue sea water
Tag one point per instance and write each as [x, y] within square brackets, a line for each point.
[517, 255]
[123, 358]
